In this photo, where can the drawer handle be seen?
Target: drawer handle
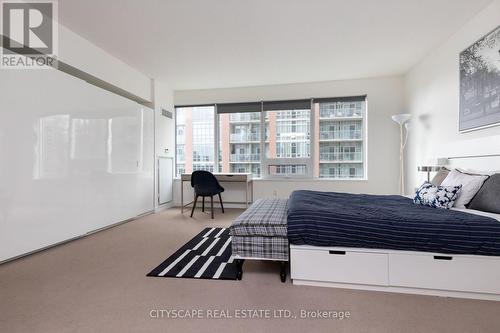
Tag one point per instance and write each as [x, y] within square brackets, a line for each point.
[443, 258]
[337, 252]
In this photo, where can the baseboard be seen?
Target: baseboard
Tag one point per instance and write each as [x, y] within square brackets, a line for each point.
[164, 206]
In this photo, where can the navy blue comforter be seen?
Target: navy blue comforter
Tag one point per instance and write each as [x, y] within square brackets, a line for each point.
[387, 222]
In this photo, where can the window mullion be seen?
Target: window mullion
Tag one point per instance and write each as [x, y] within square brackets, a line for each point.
[312, 143]
[263, 155]
[216, 139]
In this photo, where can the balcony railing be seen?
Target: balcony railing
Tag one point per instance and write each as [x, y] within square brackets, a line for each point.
[293, 115]
[343, 113]
[245, 157]
[285, 170]
[332, 157]
[254, 116]
[292, 136]
[340, 175]
[244, 137]
[340, 135]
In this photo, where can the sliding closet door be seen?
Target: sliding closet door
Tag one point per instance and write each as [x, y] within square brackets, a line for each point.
[73, 158]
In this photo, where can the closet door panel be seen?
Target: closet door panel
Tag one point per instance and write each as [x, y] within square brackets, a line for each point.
[73, 159]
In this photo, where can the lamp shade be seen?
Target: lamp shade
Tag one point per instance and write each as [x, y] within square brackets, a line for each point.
[442, 161]
[401, 118]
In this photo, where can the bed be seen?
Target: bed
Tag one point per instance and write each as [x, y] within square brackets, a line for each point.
[387, 243]
[387, 222]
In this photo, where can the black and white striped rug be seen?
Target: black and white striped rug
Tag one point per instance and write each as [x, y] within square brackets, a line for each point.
[206, 256]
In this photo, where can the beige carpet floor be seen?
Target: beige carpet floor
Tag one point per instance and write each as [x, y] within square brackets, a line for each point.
[99, 284]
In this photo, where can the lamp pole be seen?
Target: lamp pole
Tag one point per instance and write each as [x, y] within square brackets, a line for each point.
[402, 144]
[402, 120]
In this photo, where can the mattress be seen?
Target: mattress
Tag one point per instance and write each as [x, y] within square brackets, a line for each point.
[387, 222]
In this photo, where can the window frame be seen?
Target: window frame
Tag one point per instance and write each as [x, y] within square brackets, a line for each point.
[217, 140]
[176, 107]
[265, 161]
[364, 138]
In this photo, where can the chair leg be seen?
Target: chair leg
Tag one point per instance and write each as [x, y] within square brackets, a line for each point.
[203, 205]
[212, 205]
[221, 205]
[194, 205]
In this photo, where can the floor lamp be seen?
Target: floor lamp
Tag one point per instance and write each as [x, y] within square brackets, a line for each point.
[402, 120]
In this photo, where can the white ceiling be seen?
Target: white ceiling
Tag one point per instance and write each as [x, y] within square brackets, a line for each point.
[195, 44]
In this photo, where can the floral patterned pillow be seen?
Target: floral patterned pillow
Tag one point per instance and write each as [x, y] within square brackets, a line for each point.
[437, 196]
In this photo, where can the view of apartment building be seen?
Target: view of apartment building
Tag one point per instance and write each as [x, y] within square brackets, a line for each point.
[239, 143]
[338, 140]
[194, 139]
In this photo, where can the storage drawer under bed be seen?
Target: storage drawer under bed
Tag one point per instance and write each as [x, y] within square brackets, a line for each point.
[332, 265]
[445, 272]
[417, 270]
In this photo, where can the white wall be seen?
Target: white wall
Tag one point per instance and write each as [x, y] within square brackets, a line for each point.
[165, 139]
[432, 96]
[164, 127]
[385, 98]
[82, 54]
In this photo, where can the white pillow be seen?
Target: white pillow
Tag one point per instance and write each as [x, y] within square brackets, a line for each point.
[470, 186]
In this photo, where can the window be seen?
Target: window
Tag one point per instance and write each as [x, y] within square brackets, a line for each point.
[320, 138]
[239, 142]
[341, 138]
[195, 139]
[288, 138]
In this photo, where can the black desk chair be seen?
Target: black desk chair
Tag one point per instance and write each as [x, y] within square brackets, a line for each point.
[206, 185]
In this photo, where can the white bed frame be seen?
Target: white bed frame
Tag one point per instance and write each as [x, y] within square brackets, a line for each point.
[464, 276]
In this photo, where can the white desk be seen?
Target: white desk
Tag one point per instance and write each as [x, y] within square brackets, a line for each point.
[243, 178]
